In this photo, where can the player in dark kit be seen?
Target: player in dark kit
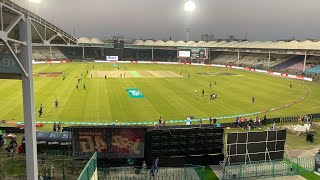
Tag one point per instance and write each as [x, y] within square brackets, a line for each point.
[40, 111]
[202, 92]
[84, 86]
[77, 86]
[253, 99]
[210, 85]
[105, 77]
[56, 103]
[290, 85]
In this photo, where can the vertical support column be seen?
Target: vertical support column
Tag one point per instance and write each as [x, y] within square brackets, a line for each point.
[305, 60]
[50, 53]
[137, 57]
[28, 100]
[238, 58]
[269, 59]
[82, 52]
[45, 32]
[209, 57]
[187, 36]
[1, 14]
[152, 53]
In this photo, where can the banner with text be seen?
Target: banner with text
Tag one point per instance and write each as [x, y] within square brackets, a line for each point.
[112, 58]
[109, 142]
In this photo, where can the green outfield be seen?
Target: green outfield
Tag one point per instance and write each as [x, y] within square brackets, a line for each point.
[167, 93]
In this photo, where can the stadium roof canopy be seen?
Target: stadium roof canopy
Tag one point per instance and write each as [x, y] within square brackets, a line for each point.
[45, 33]
[294, 45]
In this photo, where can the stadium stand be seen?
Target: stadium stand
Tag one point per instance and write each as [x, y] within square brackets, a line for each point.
[289, 62]
[315, 70]
[297, 67]
[43, 53]
[255, 60]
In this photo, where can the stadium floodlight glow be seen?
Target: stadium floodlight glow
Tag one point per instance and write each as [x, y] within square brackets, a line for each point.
[35, 1]
[189, 6]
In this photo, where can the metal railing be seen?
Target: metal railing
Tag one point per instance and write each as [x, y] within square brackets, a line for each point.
[274, 168]
[189, 172]
[90, 170]
[38, 19]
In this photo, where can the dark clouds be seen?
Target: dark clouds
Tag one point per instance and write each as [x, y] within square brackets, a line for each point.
[160, 19]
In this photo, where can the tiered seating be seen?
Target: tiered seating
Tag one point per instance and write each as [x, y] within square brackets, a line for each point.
[225, 58]
[57, 53]
[252, 59]
[314, 70]
[297, 67]
[43, 53]
[292, 61]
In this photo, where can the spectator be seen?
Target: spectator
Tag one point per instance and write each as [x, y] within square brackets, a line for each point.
[264, 120]
[144, 165]
[156, 126]
[200, 123]
[214, 121]
[237, 121]
[249, 125]
[156, 162]
[54, 126]
[20, 149]
[274, 126]
[188, 121]
[218, 125]
[1, 140]
[59, 127]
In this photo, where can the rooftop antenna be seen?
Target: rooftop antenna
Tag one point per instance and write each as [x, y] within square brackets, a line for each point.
[74, 32]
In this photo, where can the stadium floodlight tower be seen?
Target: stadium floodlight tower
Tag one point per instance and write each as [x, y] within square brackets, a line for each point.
[189, 7]
[34, 2]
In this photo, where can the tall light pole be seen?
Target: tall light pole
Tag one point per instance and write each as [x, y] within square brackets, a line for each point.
[189, 7]
[34, 2]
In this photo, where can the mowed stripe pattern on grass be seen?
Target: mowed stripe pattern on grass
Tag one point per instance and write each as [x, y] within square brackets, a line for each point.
[106, 100]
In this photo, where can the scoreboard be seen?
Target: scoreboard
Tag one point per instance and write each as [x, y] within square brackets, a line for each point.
[193, 53]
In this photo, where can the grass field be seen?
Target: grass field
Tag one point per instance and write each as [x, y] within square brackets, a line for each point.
[171, 97]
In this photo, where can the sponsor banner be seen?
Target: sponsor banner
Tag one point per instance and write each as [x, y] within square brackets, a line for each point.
[145, 62]
[249, 69]
[307, 79]
[214, 65]
[236, 67]
[261, 71]
[135, 93]
[49, 62]
[218, 65]
[112, 58]
[109, 142]
[184, 54]
[101, 61]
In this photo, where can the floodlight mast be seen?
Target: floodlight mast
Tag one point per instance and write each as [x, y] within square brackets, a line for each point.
[189, 7]
[34, 2]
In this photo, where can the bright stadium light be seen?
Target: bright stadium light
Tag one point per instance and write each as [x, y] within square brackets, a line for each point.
[35, 1]
[189, 6]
